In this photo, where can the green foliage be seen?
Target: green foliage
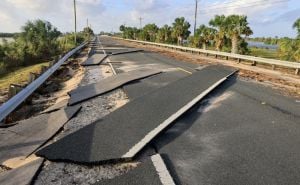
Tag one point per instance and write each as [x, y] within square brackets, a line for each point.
[129, 32]
[180, 30]
[38, 41]
[224, 33]
[203, 36]
[219, 23]
[150, 31]
[265, 53]
[164, 34]
[296, 26]
[289, 49]
[235, 27]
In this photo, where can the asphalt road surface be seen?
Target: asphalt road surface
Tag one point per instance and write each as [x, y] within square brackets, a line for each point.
[243, 133]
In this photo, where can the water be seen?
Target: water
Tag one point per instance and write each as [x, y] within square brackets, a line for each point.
[262, 45]
[9, 39]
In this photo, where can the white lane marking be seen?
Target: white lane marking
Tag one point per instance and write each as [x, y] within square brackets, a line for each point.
[141, 144]
[107, 58]
[161, 169]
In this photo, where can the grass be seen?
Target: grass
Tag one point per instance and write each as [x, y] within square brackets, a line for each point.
[19, 75]
[265, 53]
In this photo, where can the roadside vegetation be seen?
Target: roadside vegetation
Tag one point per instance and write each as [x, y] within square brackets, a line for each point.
[224, 33]
[38, 42]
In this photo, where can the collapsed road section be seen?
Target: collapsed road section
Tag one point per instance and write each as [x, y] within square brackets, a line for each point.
[89, 91]
[133, 126]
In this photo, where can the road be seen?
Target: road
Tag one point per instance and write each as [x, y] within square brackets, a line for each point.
[243, 133]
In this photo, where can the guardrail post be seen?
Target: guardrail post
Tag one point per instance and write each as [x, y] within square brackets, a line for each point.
[297, 71]
[14, 89]
[51, 63]
[273, 67]
[31, 77]
[216, 56]
[253, 63]
[43, 69]
[226, 57]
[238, 60]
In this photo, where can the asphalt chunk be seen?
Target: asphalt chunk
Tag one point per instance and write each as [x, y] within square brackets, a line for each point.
[123, 133]
[128, 51]
[28, 135]
[95, 59]
[89, 91]
[56, 106]
[23, 175]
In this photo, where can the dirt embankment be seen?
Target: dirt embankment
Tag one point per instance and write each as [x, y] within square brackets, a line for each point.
[282, 79]
[54, 90]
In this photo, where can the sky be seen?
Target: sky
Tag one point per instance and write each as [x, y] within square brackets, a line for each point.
[266, 17]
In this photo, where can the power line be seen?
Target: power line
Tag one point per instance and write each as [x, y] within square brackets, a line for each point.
[207, 11]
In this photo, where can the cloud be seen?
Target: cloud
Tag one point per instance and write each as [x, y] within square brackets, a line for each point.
[14, 13]
[109, 15]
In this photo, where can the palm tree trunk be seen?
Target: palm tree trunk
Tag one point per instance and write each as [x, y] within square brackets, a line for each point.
[204, 45]
[234, 43]
[219, 45]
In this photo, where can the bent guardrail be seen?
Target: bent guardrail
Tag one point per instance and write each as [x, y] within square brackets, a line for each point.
[254, 60]
[9, 106]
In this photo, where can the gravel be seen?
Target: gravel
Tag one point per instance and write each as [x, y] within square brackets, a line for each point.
[61, 173]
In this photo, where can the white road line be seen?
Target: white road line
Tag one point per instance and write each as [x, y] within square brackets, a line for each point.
[164, 175]
[141, 144]
[108, 60]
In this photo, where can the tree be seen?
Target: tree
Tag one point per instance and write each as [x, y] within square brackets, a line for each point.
[237, 25]
[38, 39]
[181, 29]
[164, 34]
[289, 49]
[219, 23]
[205, 35]
[151, 31]
[296, 26]
[88, 31]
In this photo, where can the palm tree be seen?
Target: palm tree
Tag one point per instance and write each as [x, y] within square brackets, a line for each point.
[181, 29]
[237, 25]
[164, 33]
[219, 23]
[204, 35]
[151, 30]
[296, 26]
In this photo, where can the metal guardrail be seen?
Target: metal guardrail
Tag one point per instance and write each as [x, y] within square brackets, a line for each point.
[254, 60]
[16, 100]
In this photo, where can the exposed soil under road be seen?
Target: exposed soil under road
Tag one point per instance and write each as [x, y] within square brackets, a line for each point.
[282, 79]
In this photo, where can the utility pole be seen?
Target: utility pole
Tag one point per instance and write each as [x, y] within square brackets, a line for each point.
[140, 22]
[87, 22]
[75, 21]
[196, 11]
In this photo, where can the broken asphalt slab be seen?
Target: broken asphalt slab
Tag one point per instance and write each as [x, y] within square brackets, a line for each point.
[128, 51]
[95, 59]
[108, 84]
[23, 175]
[27, 136]
[56, 106]
[125, 132]
[151, 172]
